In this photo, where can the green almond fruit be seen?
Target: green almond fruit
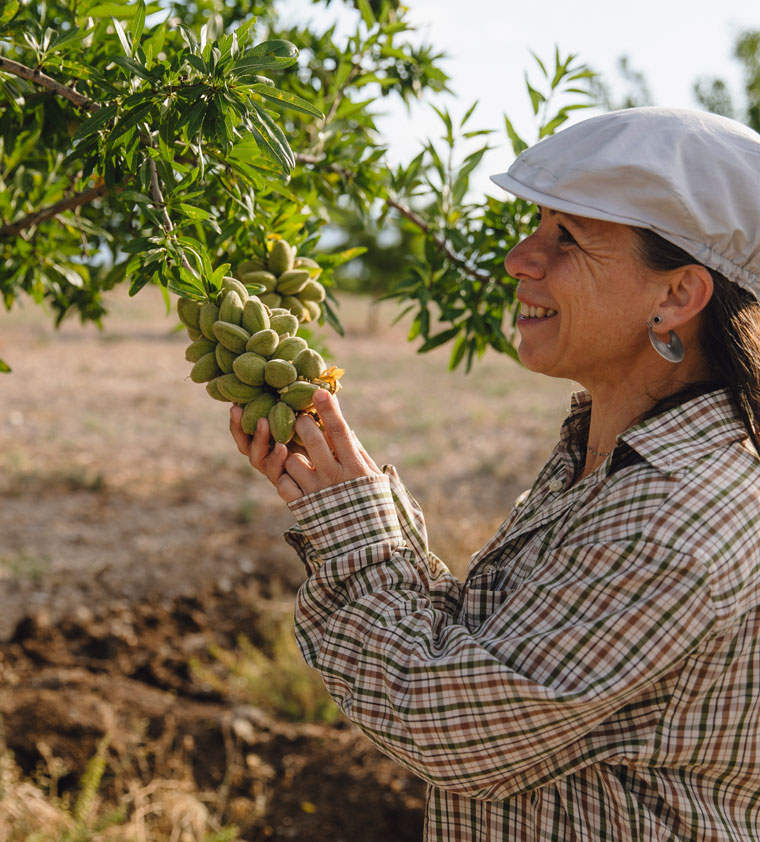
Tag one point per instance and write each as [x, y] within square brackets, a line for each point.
[313, 309]
[231, 308]
[315, 270]
[312, 291]
[229, 284]
[189, 312]
[271, 299]
[299, 395]
[206, 368]
[284, 322]
[293, 305]
[224, 358]
[282, 422]
[255, 316]
[289, 348]
[263, 342]
[235, 390]
[292, 282]
[259, 407]
[213, 389]
[281, 257]
[309, 364]
[255, 264]
[208, 315]
[249, 368]
[199, 348]
[232, 336]
[279, 373]
[266, 279]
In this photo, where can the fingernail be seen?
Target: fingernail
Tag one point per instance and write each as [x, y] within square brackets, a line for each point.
[321, 396]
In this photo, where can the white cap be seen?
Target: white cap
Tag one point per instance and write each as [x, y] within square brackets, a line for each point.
[690, 176]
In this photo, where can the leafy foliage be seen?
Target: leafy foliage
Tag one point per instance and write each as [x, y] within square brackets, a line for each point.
[713, 93]
[153, 145]
[457, 288]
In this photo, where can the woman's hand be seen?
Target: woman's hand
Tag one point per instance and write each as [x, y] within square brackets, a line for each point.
[324, 460]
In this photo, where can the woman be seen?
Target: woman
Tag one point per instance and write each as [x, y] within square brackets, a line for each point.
[596, 675]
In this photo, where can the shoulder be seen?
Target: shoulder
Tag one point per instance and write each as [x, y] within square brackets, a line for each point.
[707, 511]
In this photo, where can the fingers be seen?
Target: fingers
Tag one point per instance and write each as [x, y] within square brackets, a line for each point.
[242, 440]
[300, 468]
[339, 435]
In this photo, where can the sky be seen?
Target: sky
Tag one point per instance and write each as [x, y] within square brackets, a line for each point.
[489, 45]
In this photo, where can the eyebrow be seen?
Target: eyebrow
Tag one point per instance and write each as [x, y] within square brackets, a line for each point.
[578, 220]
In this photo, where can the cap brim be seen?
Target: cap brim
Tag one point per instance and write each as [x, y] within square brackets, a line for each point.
[522, 191]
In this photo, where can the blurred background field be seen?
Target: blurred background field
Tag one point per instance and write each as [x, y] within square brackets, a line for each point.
[146, 592]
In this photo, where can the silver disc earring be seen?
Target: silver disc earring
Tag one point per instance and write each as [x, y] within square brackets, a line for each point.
[672, 350]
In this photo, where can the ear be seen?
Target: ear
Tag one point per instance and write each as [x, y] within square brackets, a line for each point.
[685, 294]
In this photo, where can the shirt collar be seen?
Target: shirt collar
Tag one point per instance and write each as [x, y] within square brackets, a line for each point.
[676, 437]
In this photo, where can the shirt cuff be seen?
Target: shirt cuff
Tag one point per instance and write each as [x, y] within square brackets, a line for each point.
[348, 516]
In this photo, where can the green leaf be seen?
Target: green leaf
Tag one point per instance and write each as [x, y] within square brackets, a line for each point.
[134, 67]
[191, 212]
[277, 47]
[518, 144]
[4, 367]
[457, 351]
[286, 100]
[112, 10]
[137, 245]
[132, 196]
[125, 45]
[130, 120]
[96, 122]
[138, 25]
[7, 14]
[366, 12]
[66, 39]
[275, 54]
[439, 339]
[536, 97]
[552, 125]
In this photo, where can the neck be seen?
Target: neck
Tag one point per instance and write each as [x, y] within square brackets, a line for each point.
[619, 403]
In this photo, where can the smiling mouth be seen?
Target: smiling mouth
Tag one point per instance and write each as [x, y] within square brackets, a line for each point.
[528, 311]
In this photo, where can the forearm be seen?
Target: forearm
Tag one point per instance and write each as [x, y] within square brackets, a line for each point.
[489, 711]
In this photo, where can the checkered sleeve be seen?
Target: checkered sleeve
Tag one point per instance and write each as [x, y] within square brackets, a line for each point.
[520, 700]
[369, 511]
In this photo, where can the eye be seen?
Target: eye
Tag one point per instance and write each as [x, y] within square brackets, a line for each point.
[565, 236]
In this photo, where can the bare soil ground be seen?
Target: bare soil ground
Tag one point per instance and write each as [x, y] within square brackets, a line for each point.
[134, 538]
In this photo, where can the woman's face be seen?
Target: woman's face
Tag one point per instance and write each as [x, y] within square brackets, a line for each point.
[585, 299]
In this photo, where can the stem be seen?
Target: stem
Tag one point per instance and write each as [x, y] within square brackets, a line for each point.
[45, 81]
[75, 201]
[158, 198]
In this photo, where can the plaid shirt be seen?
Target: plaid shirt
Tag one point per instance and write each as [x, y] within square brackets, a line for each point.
[597, 674]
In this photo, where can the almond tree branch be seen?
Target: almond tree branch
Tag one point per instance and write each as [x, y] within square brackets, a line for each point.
[31, 219]
[158, 198]
[439, 240]
[39, 78]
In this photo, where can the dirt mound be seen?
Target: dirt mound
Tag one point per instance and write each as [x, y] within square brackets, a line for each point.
[122, 673]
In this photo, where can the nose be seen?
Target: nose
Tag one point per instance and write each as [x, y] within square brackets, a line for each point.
[524, 261]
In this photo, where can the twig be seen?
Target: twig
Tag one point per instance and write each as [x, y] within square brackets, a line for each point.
[39, 78]
[158, 198]
[439, 240]
[75, 201]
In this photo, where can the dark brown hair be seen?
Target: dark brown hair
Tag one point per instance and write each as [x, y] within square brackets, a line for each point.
[729, 334]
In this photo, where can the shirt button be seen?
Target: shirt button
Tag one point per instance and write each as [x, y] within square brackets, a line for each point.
[556, 485]
[490, 568]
